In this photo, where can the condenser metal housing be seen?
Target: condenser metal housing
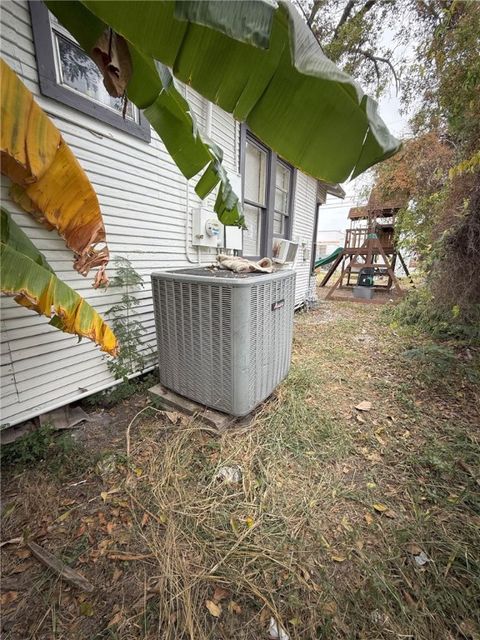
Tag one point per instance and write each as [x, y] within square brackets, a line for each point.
[224, 339]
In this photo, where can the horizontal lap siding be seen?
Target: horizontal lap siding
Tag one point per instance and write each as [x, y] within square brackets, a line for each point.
[303, 222]
[143, 198]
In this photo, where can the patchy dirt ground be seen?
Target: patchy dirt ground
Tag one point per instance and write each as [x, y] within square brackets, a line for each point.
[358, 523]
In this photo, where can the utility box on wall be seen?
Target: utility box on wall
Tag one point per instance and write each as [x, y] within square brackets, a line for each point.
[207, 230]
[233, 238]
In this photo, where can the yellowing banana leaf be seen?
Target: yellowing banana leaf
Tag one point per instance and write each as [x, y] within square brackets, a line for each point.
[259, 61]
[151, 87]
[48, 181]
[26, 275]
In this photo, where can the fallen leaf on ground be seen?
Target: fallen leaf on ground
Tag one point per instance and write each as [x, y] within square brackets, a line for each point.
[413, 548]
[338, 557]
[390, 514]
[173, 416]
[365, 405]
[380, 507]
[145, 519]
[64, 516]
[264, 616]
[220, 594]
[86, 609]
[23, 553]
[368, 518]
[360, 419]
[233, 607]
[214, 609]
[8, 597]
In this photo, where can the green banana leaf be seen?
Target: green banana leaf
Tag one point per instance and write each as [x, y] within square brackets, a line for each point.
[25, 274]
[258, 60]
[152, 88]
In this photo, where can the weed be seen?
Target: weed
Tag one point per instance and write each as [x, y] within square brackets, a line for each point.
[29, 449]
[128, 330]
[57, 453]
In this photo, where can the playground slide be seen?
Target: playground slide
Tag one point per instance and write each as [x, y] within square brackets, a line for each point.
[329, 258]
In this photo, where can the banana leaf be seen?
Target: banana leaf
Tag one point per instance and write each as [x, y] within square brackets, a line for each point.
[258, 60]
[27, 276]
[151, 87]
[49, 183]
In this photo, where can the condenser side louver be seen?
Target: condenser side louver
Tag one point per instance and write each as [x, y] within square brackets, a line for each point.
[224, 339]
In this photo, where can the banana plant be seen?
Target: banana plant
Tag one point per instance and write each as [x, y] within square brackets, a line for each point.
[48, 182]
[257, 60]
[26, 275]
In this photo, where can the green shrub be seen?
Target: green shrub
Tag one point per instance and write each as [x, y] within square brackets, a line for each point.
[41, 445]
[418, 310]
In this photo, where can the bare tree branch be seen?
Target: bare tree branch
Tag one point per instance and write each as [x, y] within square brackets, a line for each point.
[376, 59]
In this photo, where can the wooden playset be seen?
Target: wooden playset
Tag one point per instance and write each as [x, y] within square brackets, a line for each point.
[368, 259]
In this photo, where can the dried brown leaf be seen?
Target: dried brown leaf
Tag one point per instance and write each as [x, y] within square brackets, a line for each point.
[214, 609]
[413, 548]
[365, 405]
[233, 607]
[8, 597]
[338, 557]
[368, 518]
[220, 594]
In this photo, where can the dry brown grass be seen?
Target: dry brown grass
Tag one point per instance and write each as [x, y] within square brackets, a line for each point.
[299, 538]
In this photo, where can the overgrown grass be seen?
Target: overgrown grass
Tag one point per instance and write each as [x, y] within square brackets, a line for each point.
[324, 530]
[419, 310]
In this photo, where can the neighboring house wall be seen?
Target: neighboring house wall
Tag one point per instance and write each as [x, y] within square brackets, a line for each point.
[144, 200]
[328, 241]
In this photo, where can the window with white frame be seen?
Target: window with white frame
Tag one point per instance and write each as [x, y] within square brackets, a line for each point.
[268, 184]
[69, 75]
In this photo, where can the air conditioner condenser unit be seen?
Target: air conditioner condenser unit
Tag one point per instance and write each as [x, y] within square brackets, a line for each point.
[224, 339]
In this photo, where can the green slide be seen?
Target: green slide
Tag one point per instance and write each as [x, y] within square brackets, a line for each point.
[329, 258]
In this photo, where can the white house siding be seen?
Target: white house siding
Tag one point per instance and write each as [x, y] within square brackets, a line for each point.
[143, 198]
[304, 214]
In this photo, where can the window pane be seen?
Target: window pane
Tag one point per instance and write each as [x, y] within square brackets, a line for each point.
[252, 235]
[282, 188]
[278, 224]
[255, 174]
[80, 73]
